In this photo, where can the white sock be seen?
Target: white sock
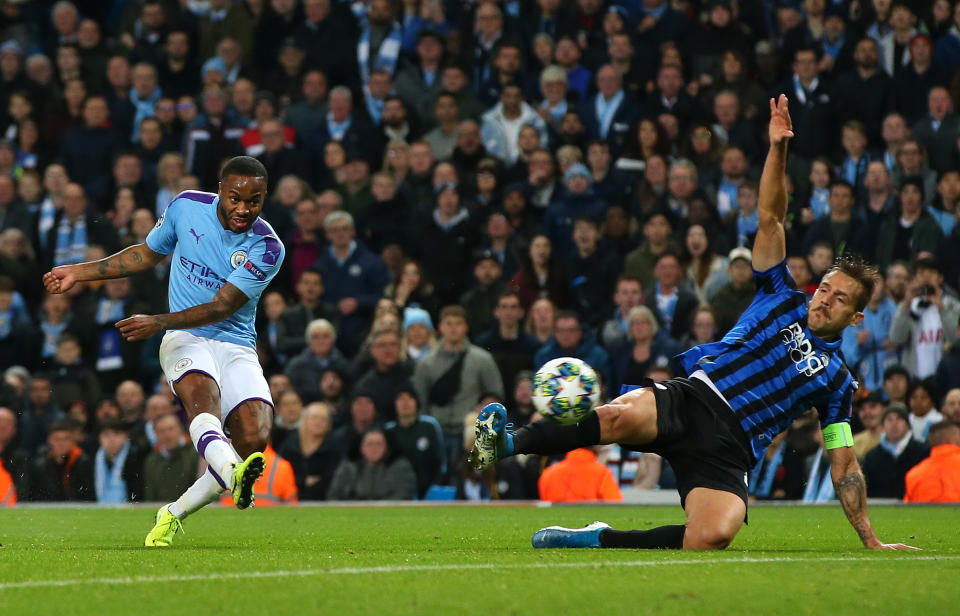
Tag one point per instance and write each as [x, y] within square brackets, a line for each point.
[207, 436]
[204, 491]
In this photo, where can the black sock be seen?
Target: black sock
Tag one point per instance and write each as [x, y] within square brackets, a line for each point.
[662, 538]
[546, 438]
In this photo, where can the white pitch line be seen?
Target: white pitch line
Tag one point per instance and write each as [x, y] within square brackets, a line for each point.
[228, 575]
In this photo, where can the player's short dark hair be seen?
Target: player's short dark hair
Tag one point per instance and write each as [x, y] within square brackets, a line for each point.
[864, 273]
[243, 165]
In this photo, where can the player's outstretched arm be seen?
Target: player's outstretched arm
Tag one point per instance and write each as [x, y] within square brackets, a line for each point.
[770, 245]
[228, 300]
[851, 488]
[127, 262]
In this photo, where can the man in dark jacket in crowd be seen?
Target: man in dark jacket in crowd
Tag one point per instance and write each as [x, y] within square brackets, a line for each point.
[481, 299]
[420, 439]
[568, 340]
[294, 319]
[353, 277]
[388, 374]
[885, 466]
[173, 466]
[63, 472]
[733, 298]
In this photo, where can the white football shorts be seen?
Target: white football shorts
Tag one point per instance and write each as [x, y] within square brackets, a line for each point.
[235, 368]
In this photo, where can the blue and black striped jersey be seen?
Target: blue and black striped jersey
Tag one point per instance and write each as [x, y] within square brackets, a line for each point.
[771, 369]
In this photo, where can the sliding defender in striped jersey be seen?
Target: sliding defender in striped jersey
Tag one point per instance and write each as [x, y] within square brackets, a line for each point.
[780, 359]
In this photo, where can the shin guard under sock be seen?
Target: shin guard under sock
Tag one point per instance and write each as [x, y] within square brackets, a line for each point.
[662, 538]
[546, 438]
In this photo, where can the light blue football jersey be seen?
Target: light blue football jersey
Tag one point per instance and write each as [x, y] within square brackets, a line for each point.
[205, 256]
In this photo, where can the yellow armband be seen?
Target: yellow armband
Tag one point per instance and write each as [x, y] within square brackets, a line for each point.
[837, 435]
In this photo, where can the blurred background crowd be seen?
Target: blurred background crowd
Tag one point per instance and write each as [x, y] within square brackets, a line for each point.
[467, 189]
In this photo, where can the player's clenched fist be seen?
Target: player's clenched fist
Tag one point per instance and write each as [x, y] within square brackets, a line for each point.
[59, 279]
[138, 327]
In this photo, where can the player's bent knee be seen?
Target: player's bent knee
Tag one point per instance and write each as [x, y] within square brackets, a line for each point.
[631, 418]
[609, 423]
[715, 537]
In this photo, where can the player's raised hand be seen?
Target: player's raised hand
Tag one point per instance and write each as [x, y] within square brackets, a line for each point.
[781, 126]
[138, 327]
[59, 279]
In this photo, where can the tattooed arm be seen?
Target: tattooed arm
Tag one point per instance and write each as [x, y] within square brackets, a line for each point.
[127, 262]
[851, 488]
[228, 300]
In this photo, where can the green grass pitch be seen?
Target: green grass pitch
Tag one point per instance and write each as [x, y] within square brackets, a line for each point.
[468, 560]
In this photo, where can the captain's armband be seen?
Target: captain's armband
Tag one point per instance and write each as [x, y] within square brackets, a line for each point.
[837, 435]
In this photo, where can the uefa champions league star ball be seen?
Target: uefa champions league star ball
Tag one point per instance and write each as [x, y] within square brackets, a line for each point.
[565, 389]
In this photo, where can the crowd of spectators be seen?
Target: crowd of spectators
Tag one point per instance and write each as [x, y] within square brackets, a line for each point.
[467, 190]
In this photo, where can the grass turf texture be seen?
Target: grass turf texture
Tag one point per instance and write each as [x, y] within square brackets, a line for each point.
[420, 560]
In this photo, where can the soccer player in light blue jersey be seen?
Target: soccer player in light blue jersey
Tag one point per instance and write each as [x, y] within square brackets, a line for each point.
[780, 359]
[224, 256]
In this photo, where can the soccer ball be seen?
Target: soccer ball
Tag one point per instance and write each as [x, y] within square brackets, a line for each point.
[565, 389]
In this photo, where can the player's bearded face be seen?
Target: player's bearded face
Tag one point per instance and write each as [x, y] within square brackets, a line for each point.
[833, 306]
[241, 201]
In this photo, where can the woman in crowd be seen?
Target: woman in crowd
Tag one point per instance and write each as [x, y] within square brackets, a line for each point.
[377, 474]
[286, 417]
[312, 454]
[540, 319]
[541, 276]
[412, 290]
[705, 269]
[651, 347]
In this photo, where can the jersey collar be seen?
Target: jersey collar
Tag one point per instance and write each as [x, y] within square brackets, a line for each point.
[822, 344]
